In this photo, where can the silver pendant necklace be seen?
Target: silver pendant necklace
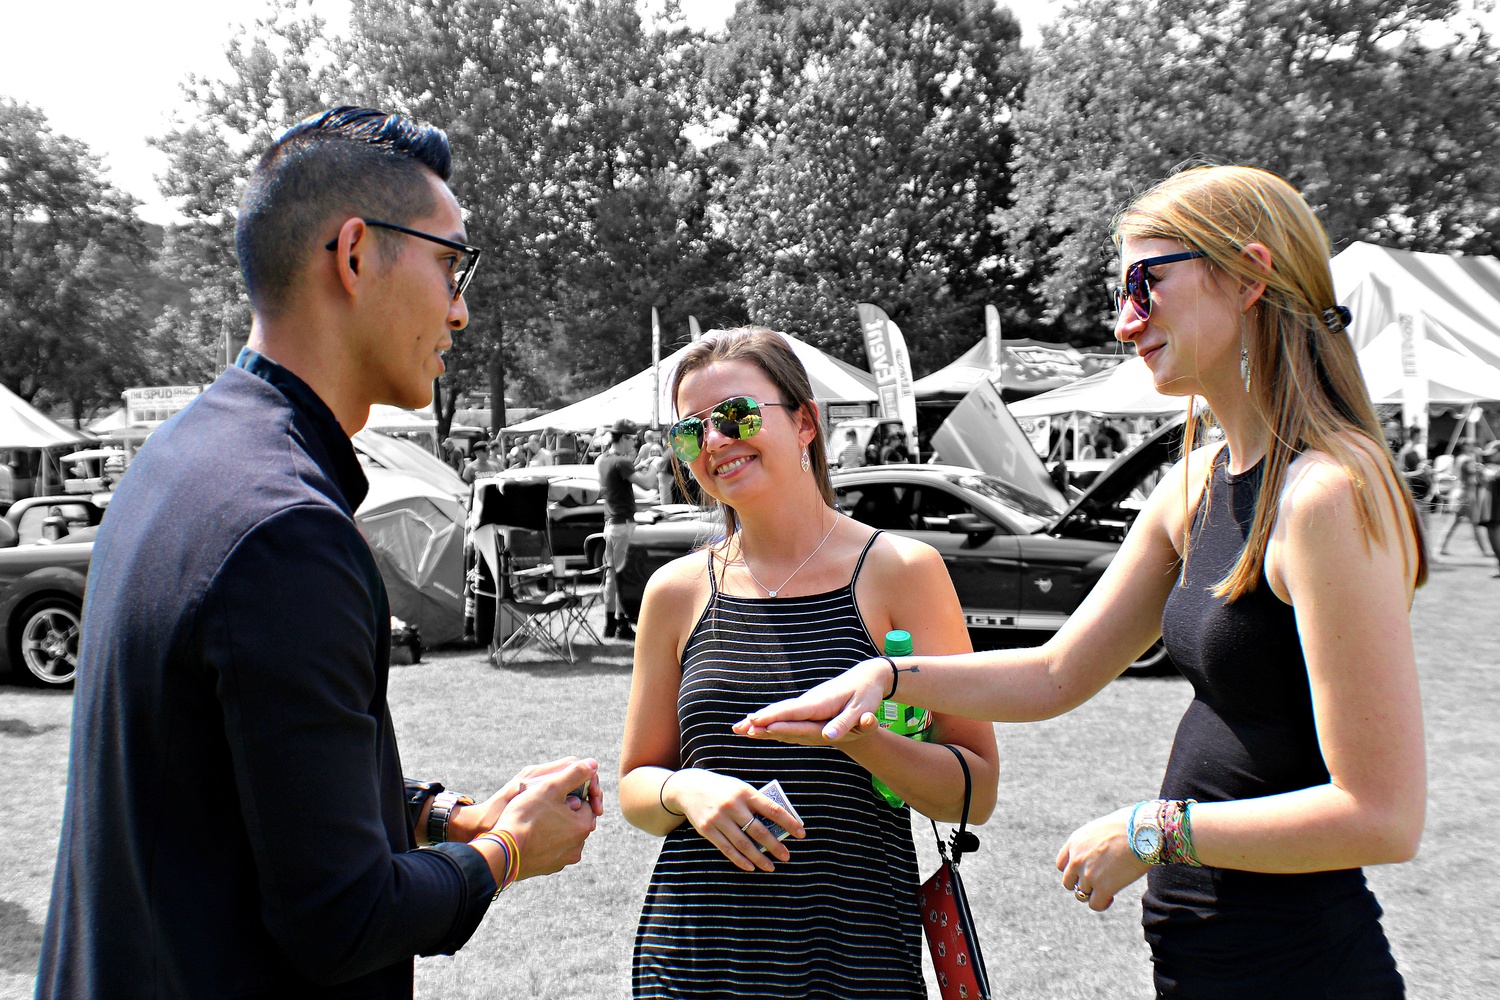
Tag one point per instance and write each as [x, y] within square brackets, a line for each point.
[746, 562]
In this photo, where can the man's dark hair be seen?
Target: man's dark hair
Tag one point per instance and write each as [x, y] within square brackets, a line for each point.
[343, 162]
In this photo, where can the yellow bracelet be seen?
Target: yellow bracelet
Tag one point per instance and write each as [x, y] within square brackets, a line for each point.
[514, 850]
[506, 878]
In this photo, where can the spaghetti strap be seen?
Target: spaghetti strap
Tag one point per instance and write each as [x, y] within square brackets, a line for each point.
[862, 553]
[713, 585]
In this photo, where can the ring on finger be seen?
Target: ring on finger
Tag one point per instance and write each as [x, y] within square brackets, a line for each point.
[1081, 896]
[748, 825]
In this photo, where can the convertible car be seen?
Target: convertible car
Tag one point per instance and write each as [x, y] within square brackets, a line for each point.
[1019, 562]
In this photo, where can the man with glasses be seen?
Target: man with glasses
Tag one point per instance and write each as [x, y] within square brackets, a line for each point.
[618, 478]
[237, 823]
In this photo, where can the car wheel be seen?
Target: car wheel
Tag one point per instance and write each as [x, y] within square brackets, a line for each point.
[46, 641]
[1153, 661]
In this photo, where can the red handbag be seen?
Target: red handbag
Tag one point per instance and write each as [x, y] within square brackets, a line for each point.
[946, 918]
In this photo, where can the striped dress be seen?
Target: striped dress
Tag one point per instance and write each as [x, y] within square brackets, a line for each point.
[838, 920]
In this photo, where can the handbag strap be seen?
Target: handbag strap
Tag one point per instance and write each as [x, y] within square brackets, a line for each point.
[963, 841]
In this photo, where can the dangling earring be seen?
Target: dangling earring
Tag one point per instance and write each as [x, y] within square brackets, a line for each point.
[806, 462]
[1244, 361]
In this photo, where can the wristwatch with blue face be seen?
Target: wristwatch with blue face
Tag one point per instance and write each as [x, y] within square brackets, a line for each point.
[443, 805]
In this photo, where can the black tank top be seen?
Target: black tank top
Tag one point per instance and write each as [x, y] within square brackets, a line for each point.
[1249, 732]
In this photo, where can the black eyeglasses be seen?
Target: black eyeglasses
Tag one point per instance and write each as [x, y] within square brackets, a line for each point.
[1137, 287]
[737, 417]
[460, 272]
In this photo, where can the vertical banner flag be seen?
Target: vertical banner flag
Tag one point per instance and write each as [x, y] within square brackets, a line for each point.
[891, 366]
[1414, 388]
[695, 332]
[992, 339]
[655, 368]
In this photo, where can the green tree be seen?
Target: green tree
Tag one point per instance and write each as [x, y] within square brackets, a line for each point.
[281, 70]
[1380, 111]
[70, 313]
[868, 149]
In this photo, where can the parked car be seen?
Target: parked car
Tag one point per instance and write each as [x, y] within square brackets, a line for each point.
[45, 547]
[1019, 564]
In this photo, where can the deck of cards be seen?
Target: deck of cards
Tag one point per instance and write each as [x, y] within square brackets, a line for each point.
[772, 790]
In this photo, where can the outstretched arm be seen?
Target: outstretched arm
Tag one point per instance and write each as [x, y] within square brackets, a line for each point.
[1119, 620]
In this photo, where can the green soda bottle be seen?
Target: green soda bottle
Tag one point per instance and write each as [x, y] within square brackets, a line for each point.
[904, 720]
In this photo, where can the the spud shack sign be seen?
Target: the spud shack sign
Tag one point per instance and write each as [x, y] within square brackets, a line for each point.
[155, 403]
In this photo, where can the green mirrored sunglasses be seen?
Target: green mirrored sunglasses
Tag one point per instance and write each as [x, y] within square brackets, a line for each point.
[737, 417]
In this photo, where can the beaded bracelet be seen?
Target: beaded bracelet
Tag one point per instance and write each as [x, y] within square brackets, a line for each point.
[1173, 817]
[661, 791]
[1187, 852]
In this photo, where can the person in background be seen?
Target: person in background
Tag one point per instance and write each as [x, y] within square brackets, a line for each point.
[540, 453]
[896, 451]
[482, 465]
[1462, 492]
[1487, 498]
[650, 451]
[618, 477]
[792, 591]
[1416, 468]
[852, 456]
[236, 821]
[1279, 568]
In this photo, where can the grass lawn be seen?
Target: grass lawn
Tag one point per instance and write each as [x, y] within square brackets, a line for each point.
[569, 935]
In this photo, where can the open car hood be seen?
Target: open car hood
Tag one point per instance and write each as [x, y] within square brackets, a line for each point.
[1126, 472]
[981, 434]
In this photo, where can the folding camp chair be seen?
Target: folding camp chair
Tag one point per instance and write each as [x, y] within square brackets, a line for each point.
[535, 602]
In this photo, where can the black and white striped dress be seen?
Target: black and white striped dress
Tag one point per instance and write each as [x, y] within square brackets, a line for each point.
[838, 920]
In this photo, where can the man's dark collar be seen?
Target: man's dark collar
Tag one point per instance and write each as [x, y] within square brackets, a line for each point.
[343, 462]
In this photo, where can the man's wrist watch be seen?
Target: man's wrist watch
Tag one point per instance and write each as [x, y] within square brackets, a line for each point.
[443, 805]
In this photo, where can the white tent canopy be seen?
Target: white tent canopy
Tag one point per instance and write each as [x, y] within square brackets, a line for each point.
[1026, 366]
[24, 426]
[1126, 390]
[832, 379]
[1447, 377]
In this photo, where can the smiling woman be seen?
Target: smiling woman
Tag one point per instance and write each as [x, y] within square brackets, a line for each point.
[793, 593]
[1278, 568]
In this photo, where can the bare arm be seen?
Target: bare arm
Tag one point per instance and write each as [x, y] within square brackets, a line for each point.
[1352, 599]
[655, 795]
[1117, 622]
[904, 584]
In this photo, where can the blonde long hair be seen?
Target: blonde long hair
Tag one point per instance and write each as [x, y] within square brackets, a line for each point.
[1305, 381]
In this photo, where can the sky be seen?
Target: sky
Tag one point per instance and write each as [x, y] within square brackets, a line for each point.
[108, 72]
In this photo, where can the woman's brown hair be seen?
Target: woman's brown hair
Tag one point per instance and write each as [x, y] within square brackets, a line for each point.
[770, 352]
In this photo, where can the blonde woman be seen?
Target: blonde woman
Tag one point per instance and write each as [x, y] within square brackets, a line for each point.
[792, 594]
[1279, 568]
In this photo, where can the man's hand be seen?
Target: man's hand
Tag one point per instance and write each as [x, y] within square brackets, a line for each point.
[468, 822]
[847, 702]
[549, 824]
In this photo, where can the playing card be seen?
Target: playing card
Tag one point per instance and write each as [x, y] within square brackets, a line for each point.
[773, 791]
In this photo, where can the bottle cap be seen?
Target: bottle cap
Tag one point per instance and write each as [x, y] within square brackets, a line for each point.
[898, 642]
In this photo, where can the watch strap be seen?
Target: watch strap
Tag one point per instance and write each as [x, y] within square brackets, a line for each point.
[443, 805]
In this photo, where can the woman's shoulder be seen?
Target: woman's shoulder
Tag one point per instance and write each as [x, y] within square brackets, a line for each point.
[681, 576]
[890, 553]
[1351, 483]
